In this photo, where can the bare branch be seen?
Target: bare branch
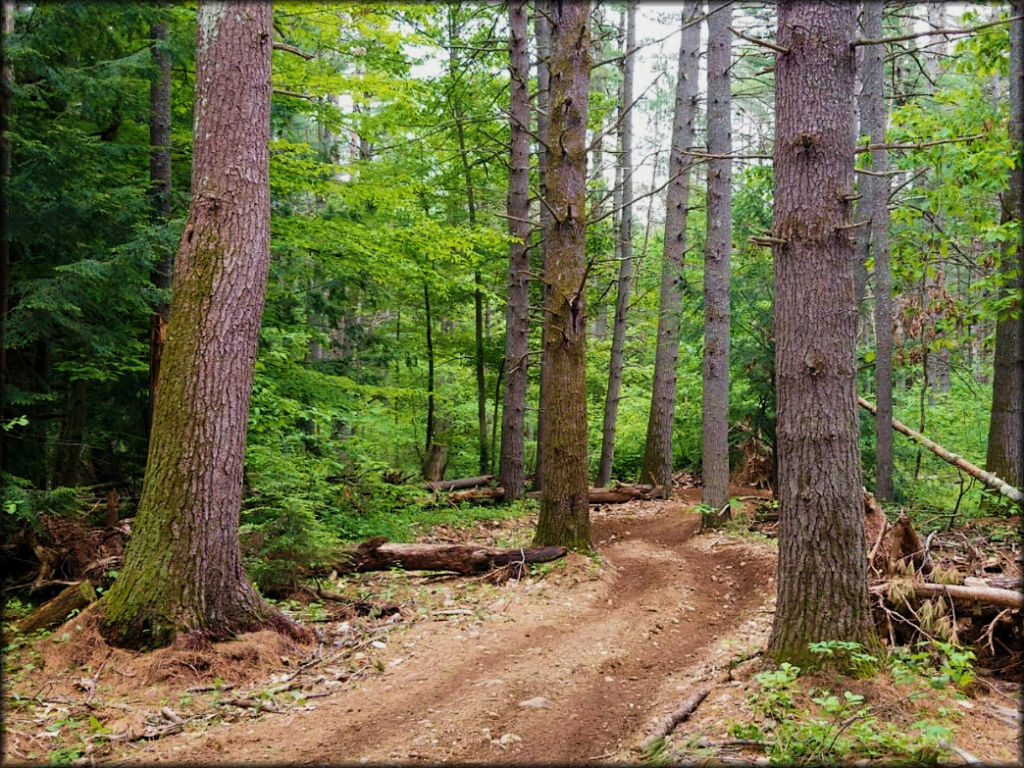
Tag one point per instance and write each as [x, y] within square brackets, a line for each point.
[759, 41]
[278, 46]
[912, 35]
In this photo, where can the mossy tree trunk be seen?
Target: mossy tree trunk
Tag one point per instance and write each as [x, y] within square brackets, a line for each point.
[822, 572]
[183, 573]
[564, 518]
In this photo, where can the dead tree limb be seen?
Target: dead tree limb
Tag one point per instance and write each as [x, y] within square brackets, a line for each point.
[667, 724]
[462, 482]
[53, 612]
[993, 482]
[1006, 598]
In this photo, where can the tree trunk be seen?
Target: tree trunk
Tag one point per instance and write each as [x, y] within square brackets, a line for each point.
[564, 517]
[875, 208]
[625, 235]
[1005, 456]
[68, 454]
[512, 469]
[542, 31]
[657, 464]
[715, 431]
[183, 573]
[430, 369]
[822, 573]
[160, 197]
[6, 85]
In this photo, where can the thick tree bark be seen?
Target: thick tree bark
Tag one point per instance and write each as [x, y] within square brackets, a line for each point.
[512, 470]
[822, 572]
[657, 464]
[1005, 456]
[564, 517]
[160, 196]
[625, 236]
[874, 207]
[715, 431]
[183, 573]
[542, 33]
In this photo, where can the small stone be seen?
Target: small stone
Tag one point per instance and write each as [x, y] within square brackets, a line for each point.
[537, 702]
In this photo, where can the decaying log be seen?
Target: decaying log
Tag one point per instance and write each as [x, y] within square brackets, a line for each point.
[1006, 598]
[454, 485]
[667, 724]
[993, 482]
[378, 555]
[476, 494]
[74, 597]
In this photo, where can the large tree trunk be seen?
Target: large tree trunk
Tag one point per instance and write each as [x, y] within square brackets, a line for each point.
[160, 197]
[875, 208]
[1005, 456]
[564, 517]
[657, 464]
[822, 572]
[183, 573]
[512, 470]
[542, 32]
[6, 85]
[625, 236]
[715, 431]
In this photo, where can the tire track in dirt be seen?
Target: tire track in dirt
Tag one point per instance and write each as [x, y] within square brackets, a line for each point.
[598, 654]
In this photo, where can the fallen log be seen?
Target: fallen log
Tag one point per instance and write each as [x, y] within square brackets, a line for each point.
[73, 597]
[379, 555]
[1006, 598]
[616, 494]
[454, 485]
[993, 482]
[476, 494]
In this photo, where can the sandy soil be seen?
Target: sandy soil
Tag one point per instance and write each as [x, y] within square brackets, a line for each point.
[571, 666]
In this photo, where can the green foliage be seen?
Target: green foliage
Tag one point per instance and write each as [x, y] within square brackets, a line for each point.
[818, 726]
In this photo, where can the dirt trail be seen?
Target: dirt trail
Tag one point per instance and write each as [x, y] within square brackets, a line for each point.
[608, 656]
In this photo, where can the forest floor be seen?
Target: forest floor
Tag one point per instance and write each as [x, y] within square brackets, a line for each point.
[573, 663]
